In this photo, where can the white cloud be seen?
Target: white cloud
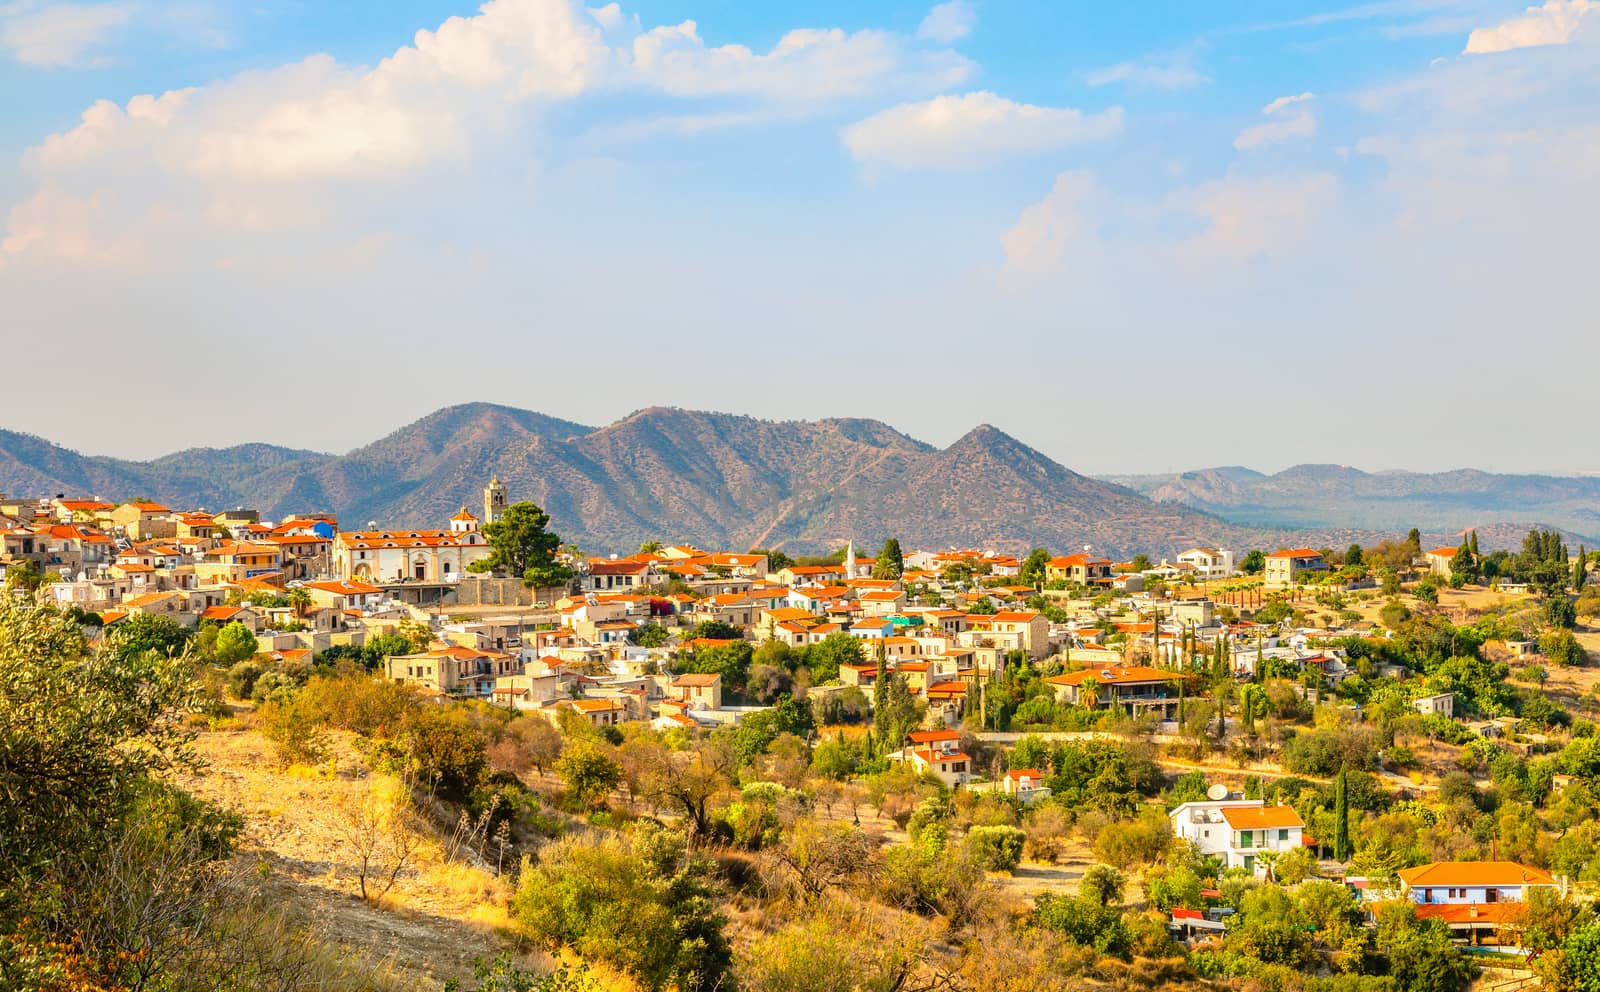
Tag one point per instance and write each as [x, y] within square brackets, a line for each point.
[948, 22]
[1281, 126]
[954, 132]
[1248, 216]
[1081, 226]
[1285, 101]
[288, 146]
[58, 35]
[1170, 72]
[1555, 23]
[1042, 234]
[805, 65]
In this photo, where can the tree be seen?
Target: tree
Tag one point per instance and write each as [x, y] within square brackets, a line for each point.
[1089, 693]
[826, 656]
[1422, 957]
[1035, 568]
[294, 730]
[890, 563]
[642, 903]
[1254, 562]
[777, 561]
[1580, 570]
[446, 750]
[1341, 817]
[522, 545]
[1560, 612]
[1580, 959]
[590, 773]
[651, 635]
[379, 831]
[688, 783]
[1353, 555]
[146, 632]
[996, 848]
[235, 644]
[527, 740]
[1464, 566]
[1103, 884]
[75, 742]
[714, 630]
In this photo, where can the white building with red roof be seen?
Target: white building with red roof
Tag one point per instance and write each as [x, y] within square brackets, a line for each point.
[390, 556]
[1239, 830]
[1472, 897]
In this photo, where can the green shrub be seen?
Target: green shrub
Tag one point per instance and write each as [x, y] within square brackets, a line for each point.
[997, 848]
[640, 903]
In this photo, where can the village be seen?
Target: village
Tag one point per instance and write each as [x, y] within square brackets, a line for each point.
[965, 671]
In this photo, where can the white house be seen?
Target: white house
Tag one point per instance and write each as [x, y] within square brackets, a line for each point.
[1238, 830]
[1027, 784]
[1444, 702]
[1209, 563]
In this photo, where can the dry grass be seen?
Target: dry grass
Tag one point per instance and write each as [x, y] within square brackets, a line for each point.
[438, 917]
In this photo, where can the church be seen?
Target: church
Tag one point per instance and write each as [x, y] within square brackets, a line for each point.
[390, 556]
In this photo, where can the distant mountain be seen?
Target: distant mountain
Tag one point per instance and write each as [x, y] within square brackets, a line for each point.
[715, 479]
[1325, 496]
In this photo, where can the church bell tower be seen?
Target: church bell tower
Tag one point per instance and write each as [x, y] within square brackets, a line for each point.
[494, 501]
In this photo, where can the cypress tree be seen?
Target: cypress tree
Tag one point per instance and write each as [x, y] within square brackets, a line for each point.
[880, 693]
[1341, 819]
[890, 563]
[1580, 570]
[1474, 539]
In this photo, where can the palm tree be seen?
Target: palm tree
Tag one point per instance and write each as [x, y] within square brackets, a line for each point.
[300, 600]
[1089, 693]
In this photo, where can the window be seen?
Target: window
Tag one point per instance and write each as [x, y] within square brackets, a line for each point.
[1283, 835]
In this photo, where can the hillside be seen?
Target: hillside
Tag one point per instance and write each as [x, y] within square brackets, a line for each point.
[711, 478]
[1326, 496]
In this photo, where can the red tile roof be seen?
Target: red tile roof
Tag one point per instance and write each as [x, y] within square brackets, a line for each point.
[1261, 817]
[1471, 873]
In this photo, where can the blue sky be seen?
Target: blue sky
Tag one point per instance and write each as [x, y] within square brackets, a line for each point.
[1194, 234]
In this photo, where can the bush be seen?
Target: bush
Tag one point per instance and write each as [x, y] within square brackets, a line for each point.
[590, 774]
[1562, 648]
[360, 704]
[640, 903]
[242, 679]
[1103, 884]
[294, 730]
[446, 750]
[996, 848]
[1085, 922]
[1145, 840]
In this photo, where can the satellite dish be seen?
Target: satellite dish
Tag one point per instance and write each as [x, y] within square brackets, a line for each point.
[1217, 792]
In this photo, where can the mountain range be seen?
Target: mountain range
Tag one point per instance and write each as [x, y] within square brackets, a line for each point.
[727, 481]
[717, 480]
[1321, 496]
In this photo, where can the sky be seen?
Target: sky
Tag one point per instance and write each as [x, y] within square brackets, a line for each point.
[1141, 238]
